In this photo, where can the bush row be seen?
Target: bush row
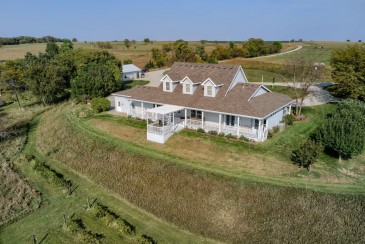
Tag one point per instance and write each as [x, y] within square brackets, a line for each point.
[51, 176]
[78, 229]
[221, 134]
[112, 220]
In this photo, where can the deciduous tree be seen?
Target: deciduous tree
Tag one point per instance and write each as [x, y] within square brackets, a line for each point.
[11, 78]
[348, 70]
[304, 73]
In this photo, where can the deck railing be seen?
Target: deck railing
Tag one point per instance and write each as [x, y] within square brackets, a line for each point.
[155, 129]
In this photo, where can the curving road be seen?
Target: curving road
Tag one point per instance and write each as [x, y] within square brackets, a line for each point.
[278, 54]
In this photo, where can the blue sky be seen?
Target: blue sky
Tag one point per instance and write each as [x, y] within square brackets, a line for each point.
[334, 20]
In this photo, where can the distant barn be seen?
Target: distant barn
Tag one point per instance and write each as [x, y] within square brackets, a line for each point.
[130, 72]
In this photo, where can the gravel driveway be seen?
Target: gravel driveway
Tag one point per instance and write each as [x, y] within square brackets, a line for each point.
[154, 77]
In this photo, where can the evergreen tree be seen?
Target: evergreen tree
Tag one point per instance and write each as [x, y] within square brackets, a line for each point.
[344, 130]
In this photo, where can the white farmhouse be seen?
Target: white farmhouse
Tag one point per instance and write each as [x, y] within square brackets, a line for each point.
[130, 72]
[213, 97]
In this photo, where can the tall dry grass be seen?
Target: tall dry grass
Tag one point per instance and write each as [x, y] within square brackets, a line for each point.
[212, 205]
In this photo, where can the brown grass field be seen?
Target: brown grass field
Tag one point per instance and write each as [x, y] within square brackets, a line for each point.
[17, 196]
[140, 53]
[206, 203]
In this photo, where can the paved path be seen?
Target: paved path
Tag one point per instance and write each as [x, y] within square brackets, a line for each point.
[154, 77]
[317, 94]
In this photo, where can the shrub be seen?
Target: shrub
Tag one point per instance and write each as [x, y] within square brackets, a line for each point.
[273, 131]
[145, 239]
[289, 119]
[200, 130]
[100, 104]
[49, 174]
[213, 132]
[307, 154]
[110, 219]
[221, 134]
[243, 138]
[231, 136]
[77, 228]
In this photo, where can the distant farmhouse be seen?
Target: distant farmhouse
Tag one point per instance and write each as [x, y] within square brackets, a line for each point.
[130, 72]
[213, 97]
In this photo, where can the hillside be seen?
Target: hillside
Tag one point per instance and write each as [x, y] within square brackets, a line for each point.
[205, 199]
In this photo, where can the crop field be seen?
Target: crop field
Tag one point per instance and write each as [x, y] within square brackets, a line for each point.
[222, 203]
[140, 53]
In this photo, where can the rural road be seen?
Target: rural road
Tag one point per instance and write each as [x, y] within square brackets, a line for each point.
[278, 54]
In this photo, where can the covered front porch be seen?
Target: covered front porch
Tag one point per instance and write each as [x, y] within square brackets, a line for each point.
[250, 128]
[165, 120]
[162, 122]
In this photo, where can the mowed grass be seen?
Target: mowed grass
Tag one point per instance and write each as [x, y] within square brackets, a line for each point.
[204, 201]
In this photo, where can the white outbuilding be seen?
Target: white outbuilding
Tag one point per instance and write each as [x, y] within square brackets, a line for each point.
[130, 72]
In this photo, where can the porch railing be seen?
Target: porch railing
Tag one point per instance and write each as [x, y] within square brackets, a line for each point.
[158, 130]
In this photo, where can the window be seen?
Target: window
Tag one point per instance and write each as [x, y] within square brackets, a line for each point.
[168, 85]
[230, 120]
[209, 91]
[118, 103]
[257, 123]
[196, 114]
[187, 88]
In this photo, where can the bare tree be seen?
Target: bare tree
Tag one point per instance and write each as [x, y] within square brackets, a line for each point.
[304, 73]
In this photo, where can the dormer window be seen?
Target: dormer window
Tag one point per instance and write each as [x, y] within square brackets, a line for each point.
[187, 88]
[168, 86]
[209, 91]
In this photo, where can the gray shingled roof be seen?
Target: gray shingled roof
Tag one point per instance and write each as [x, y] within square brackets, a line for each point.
[218, 73]
[237, 101]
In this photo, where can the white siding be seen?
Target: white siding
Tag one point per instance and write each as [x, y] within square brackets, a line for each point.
[130, 76]
[209, 83]
[240, 78]
[275, 119]
[121, 104]
[211, 117]
[260, 91]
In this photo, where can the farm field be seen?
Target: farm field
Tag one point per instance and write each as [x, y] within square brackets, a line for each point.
[257, 200]
[140, 53]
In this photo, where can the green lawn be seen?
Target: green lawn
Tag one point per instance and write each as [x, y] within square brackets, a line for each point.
[133, 83]
[287, 90]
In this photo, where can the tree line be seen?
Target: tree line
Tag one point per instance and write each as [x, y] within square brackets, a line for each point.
[181, 51]
[29, 39]
[62, 72]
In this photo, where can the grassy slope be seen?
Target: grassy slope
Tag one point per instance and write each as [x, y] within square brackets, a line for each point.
[47, 221]
[208, 203]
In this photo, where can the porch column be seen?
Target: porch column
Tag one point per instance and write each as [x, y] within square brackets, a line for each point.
[220, 123]
[202, 119]
[259, 129]
[290, 109]
[185, 118]
[163, 124]
[173, 120]
[238, 126]
[142, 110]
